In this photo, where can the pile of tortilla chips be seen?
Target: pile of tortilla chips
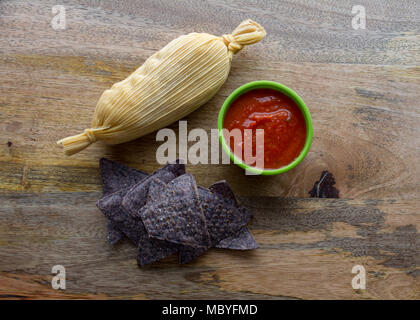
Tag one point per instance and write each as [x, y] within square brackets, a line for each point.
[166, 213]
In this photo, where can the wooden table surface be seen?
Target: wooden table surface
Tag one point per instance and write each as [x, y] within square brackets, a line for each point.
[361, 86]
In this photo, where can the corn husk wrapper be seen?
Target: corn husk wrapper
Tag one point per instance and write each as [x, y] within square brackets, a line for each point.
[170, 84]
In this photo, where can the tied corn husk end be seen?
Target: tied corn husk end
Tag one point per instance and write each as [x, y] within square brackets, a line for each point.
[74, 144]
[170, 84]
[248, 32]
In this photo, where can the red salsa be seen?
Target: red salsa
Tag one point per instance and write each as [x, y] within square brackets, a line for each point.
[283, 123]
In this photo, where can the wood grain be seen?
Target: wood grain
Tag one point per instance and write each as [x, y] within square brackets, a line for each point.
[365, 116]
[361, 86]
[365, 134]
[302, 241]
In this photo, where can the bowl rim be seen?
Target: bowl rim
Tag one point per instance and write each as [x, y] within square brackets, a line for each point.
[265, 84]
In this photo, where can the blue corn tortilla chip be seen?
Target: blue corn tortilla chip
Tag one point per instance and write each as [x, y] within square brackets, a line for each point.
[241, 241]
[176, 215]
[156, 188]
[166, 213]
[223, 189]
[223, 218]
[137, 195]
[116, 176]
[150, 250]
[187, 254]
[110, 206]
[114, 234]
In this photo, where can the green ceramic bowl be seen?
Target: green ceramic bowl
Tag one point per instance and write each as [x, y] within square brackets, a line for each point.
[265, 85]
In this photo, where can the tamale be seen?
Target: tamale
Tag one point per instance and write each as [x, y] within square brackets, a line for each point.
[170, 84]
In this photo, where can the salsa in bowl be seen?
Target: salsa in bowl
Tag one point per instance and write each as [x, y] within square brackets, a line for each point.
[281, 117]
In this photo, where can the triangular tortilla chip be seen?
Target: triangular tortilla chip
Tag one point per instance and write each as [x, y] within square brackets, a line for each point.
[176, 215]
[241, 241]
[116, 176]
[136, 197]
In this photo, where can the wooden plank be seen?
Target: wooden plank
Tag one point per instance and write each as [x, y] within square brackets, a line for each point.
[45, 75]
[360, 85]
[365, 122]
[316, 241]
[298, 31]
